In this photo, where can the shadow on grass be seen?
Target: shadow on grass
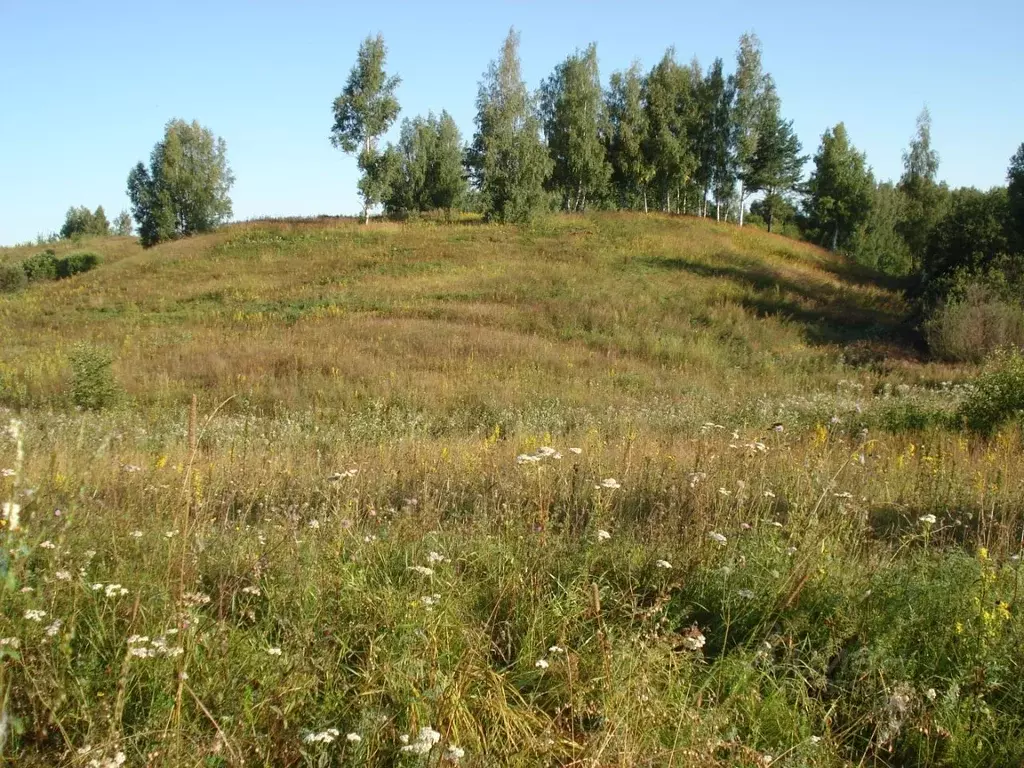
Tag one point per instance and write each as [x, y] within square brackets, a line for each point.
[827, 314]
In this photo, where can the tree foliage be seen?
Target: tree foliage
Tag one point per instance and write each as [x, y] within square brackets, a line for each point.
[669, 104]
[575, 126]
[839, 191]
[424, 170]
[122, 225]
[184, 191]
[876, 241]
[924, 195]
[627, 138]
[507, 160]
[363, 112]
[749, 88]
[81, 222]
[1015, 192]
[776, 166]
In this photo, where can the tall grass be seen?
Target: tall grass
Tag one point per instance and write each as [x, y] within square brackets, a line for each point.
[491, 496]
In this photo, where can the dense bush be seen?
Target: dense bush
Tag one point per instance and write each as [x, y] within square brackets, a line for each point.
[76, 263]
[42, 266]
[970, 326]
[92, 381]
[998, 395]
[12, 278]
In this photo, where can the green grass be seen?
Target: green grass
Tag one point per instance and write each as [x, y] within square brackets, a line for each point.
[813, 613]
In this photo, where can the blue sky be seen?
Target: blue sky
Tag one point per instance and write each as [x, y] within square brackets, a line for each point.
[85, 88]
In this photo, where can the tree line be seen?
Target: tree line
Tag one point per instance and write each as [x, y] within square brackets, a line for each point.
[677, 138]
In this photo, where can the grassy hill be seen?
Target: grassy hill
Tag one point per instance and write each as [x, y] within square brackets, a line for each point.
[497, 324]
[519, 487]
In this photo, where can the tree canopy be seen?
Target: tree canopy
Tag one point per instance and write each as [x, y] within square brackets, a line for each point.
[184, 191]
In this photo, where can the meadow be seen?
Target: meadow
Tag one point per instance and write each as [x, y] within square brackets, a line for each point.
[608, 490]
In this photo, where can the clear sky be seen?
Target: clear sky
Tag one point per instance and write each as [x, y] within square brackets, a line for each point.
[85, 88]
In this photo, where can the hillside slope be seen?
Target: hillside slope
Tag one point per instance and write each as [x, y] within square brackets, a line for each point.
[619, 312]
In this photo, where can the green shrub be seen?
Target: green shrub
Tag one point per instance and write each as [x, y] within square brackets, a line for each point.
[974, 324]
[12, 278]
[76, 263]
[42, 266]
[998, 395]
[92, 380]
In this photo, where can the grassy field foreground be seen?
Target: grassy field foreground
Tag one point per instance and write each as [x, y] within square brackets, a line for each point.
[484, 496]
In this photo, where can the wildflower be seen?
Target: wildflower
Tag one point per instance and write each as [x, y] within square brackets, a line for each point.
[89, 554]
[115, 590]
[454, 753]
[716, 536]
[130, 468]
[422, 570]
[353, 738]
[843, 495]
[541, 664]
[10, 642]
[931, 694]
[54, 628]
[195, 599]
[35, 615]
[927, 519]
[609, 482]
[26, 590]
[746, 594]
[136, 534]
[725, 491]
[769, 494]
[141, 652]
[437, 557]
[47, 545]
[96, 587]
[6, 472]
[136, 639]
[694, 639]
[556, 649]
[12, 515]
[273, 651]
[546, 450]
[814, 739]
[324, 737]
[577, 451]
[170, 534]
[425, 741]
[983, 553]
[314, 524]
[527, 458]
[429, 601]
[603, 535]
[62, 575]
[369, 539]
[696, 478]
[663, 564]
[251, 590]
[791, 551]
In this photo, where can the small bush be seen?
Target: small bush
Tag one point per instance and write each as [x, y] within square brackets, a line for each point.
[42, 266]
[92, 380]
[998, 395]
[76, 263]
[973, 325]
[12, 278]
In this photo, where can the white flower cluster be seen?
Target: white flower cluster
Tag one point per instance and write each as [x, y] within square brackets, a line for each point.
[425, 741]
[544, 452]
[343, 475]
[141, 647]
[194, 599]
[323, 737]
[610, 483]
[35, 615]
